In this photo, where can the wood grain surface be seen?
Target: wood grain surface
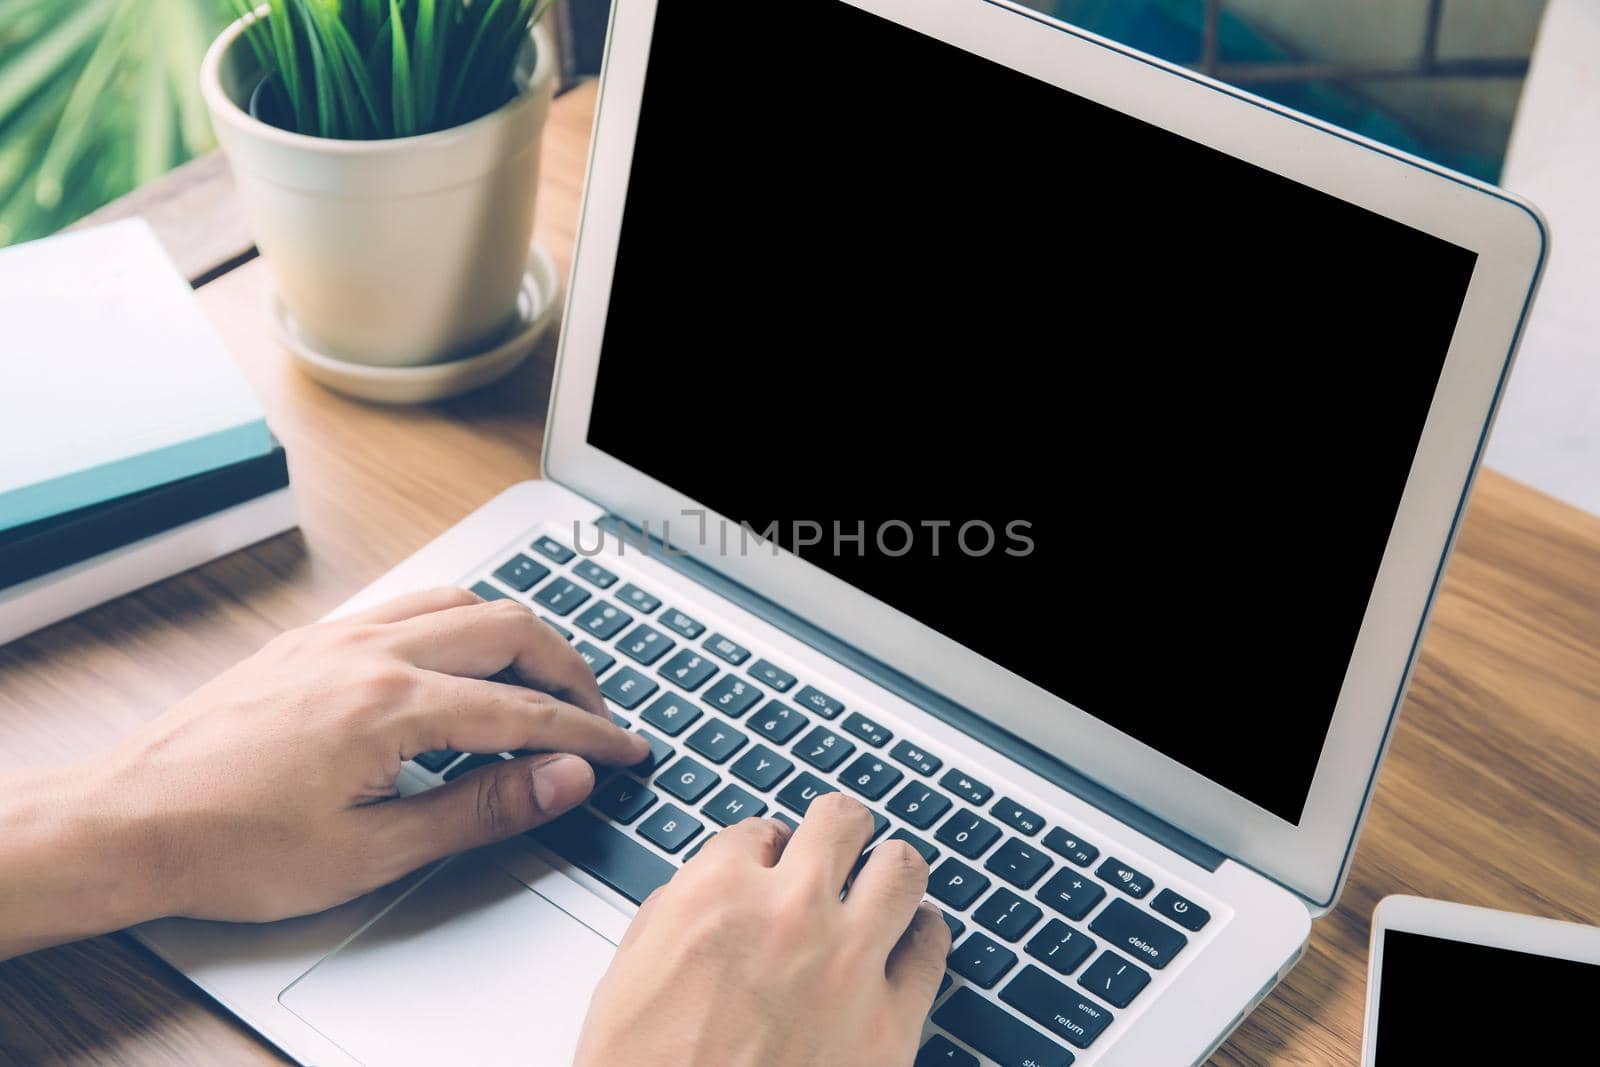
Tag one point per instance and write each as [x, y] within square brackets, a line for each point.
[1491, 794]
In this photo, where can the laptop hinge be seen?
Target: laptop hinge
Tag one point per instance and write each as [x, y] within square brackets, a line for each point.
[908, 689]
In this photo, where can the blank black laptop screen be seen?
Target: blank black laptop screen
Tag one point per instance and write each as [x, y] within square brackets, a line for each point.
[1450, 1002]
[870, 281]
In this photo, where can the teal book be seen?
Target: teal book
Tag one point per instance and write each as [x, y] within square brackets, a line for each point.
[112, 380]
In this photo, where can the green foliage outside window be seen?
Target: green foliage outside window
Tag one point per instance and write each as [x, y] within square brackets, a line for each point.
[96, 98]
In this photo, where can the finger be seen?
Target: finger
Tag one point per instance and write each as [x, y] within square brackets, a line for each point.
[491, 803]
[759, 841]
[886, 892]
[474, 715]
[411, 605]
[482, 640]
[917, 962]
[830, 839]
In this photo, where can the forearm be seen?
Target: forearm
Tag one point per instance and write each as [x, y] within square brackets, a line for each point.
[73, 862]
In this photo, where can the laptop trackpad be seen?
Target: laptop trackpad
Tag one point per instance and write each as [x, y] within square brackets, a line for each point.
[471, 967]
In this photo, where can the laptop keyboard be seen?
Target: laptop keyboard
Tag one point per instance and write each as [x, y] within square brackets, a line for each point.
[1033, 908]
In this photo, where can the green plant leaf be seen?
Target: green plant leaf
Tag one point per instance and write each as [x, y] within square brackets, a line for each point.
[60, 45]
[400, 100]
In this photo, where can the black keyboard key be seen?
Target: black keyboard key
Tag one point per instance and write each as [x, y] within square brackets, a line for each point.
[731, 696]
[470, 764]
[660, 752]
[1070, 846]
[619, 721]
[725, 649]
[522, 573]
[605, 853]
[677, 620]
[556, 626]
[762, 768]
[1114, 979]
[864, 728]
[645, 644]
[1017, 817]
[823, 749]
[911, 756]
[919, 805]
[1138, 933]
[814, 699]
[997, 1033]
[871, 777]
[777, 722]
[562, 597]
[734, 804]
[956, 927]
[622, 799]
[780, 679]
[688, 670]
[550, 548]
[688, 780]
[437, 760]
[956, 884]
[1125, 878]
[490, 592]
[791, 823]
[1007, 914]
[982, 961]
[1060, 947]
[880, 823]
[599, 661]
[716, 740]
[1056, 1007]
[941, 1052]
[968, 833]
[604, 621]
[1018, 863]
[698, 845]
[595, 575]
[1071, 893]
[928, 852]
[637, 598]
[1186, 913]
[802, 789]
[628, 688]
[669, 828]
[966, 787]
[671, 714]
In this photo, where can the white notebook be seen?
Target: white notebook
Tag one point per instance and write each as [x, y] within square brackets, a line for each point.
[111, 379]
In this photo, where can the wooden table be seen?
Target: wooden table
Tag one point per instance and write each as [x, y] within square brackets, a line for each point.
[1491, 794]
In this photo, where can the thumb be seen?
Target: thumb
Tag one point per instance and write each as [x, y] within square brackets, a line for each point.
[493, 802]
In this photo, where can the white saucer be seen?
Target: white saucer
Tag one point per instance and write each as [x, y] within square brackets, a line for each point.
[536, 308]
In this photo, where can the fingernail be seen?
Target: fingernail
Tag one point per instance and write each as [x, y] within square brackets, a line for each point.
[562, 783]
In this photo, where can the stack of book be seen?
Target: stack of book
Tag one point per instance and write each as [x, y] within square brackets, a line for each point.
[130, 446]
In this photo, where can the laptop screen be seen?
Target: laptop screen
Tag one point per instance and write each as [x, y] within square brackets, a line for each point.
[1125, 415]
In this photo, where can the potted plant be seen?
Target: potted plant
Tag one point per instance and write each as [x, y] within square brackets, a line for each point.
[387, 154]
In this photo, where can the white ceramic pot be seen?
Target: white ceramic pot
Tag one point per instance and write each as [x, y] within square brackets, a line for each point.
[390, 253]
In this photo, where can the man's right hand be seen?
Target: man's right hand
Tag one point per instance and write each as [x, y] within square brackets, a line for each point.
[749, 956]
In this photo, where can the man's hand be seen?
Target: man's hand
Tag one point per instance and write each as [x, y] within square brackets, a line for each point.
[270, 791]
[749, 958]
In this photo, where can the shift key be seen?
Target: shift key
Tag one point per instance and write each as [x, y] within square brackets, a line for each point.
[997, 1033]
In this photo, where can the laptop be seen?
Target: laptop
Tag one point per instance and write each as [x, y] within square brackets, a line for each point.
[1054, 449]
